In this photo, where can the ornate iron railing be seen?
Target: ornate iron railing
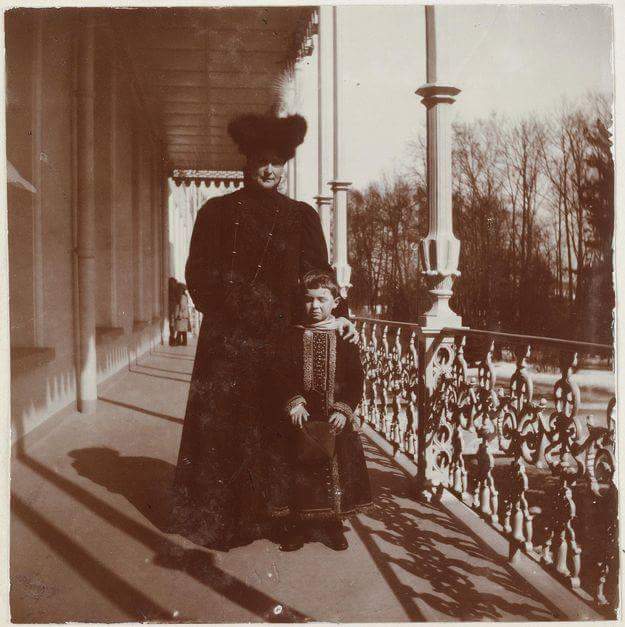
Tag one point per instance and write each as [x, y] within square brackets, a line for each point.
[534, 468]
[389, 404]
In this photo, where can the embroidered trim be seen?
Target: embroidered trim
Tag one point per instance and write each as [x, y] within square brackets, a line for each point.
[356, 422]
[294, 402]
[307, 339]
[336, 485]
[319, 351]
[346, 410]
[331, 369]
[365, 508]
[279, 512]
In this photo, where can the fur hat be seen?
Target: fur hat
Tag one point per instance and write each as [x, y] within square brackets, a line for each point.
[253, 133]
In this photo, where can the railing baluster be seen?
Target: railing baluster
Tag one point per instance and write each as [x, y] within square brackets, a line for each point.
[420, 396]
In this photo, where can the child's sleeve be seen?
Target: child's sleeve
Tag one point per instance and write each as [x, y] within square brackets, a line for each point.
[350, 395]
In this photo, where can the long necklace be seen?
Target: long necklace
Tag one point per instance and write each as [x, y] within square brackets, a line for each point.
[259, 266]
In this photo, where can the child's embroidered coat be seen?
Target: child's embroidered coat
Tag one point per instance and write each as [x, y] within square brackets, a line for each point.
[325, 372]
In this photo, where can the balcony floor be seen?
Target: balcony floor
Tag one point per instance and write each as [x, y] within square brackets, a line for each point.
[86, 544]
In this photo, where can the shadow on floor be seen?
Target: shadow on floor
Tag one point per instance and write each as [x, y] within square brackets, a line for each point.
[130, 477]
[147, 484]
[187, 378]
[434, 547]
[171, 356]
[168, 370]
[144, 481]
[142, 410]
[441, 552]
[113, 587]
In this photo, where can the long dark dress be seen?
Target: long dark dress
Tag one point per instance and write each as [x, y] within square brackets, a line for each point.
[230, 469]
[326, 373]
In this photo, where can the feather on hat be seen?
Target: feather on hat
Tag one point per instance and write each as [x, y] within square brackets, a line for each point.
[253, 133]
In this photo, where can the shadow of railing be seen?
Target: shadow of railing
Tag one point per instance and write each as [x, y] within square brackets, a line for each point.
[423, 541]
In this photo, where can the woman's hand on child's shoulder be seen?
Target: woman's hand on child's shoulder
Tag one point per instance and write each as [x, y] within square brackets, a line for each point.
[347, 330]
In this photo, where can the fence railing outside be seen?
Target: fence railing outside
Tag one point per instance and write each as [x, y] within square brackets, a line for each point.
[513, 445]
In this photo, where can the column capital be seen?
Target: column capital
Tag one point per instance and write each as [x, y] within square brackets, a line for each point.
[339, 185]
[323, 201]
[433, 93]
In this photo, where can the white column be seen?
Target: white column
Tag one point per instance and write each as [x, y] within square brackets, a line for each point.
[184, 216]
[85, 173]
[38, 176]
[165, 271]
[290, 179]
[158, 226]
[5, 327]
[297, 159]
[324, 119]
[439, 250]
[138, 223]
[114, 189]
[340, 187]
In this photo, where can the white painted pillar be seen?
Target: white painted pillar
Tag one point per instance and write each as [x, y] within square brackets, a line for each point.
[139, 226]
[184, 213]
[114, 174]
[325, 121]
[182, 196]
[290, 181]
[5, 327]
[165, 270]
[38, 180]
[339, 186]
[439, 250]
[157, 232]
[148, 216]
[85, 174]
[177, 211]
[298, 170]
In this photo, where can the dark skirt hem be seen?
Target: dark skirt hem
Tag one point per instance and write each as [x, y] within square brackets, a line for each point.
[323, 514]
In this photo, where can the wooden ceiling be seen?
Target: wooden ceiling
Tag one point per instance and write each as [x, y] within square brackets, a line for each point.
[196, 68]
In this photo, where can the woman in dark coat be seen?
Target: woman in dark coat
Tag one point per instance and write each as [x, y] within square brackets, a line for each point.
[248, 251]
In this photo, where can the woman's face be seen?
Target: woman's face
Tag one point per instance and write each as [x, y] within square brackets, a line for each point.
[265, 169]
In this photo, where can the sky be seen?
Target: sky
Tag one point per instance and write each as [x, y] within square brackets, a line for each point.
[512, 60]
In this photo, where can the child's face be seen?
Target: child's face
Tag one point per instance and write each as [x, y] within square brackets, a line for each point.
[319, 303]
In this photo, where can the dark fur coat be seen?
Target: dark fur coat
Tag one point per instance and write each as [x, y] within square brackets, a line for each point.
[231, 465]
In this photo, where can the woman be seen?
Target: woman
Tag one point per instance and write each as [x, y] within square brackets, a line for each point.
[183, 318]
[248, 251]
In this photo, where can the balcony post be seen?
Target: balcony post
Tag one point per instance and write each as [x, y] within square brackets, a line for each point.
[324, 119]
[165, 252]
[297, 158]
[339, 186]
[86, 246]
[439, 250]
[290, 178]
[157, 232]
[439, 253]
[324, 208]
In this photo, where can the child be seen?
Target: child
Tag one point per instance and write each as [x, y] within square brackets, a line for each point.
[183, 319]
[321, 387]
